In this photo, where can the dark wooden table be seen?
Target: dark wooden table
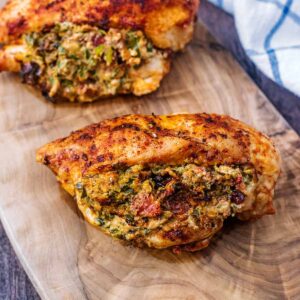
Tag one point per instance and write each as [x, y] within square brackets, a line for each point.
[14, 283]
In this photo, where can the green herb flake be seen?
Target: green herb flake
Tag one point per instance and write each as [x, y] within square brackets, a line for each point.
[114, 231]
[81, 71]
[51, 80]
[72, 56]
[109, 55]
[66, 83]
[129, 220]
[132, 40]
[149, 47]
[146, 231]
[101, 221]
[61, 50]
[138, 52]
[84, 194]
[127, 189]
[102, 32]
[110, 216]
[87, 54]
[29, 39]
[112, 195]
[99, 50]
[59, 64]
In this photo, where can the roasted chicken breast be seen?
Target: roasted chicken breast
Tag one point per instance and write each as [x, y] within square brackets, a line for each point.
[166, 181]
[86, 50]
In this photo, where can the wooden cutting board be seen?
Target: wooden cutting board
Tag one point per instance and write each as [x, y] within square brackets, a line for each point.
[68, 259]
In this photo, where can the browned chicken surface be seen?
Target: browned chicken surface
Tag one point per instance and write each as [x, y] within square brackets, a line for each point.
[86, 50]
[166, 181]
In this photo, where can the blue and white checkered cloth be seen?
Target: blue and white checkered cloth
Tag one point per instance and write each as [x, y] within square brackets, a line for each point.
[270, 33]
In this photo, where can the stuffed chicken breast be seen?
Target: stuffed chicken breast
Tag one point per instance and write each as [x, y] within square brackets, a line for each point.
[86, 50]
[166, 181]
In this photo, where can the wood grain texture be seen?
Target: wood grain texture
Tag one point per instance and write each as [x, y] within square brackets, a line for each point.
[68, 259]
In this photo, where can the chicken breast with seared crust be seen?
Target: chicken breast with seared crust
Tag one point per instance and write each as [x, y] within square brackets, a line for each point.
[86, 50]
[166, 181]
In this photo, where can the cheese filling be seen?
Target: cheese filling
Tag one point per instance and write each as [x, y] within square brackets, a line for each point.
[133, 203]
[84, 63]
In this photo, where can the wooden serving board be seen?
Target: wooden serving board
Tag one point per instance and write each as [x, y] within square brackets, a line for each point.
[68, 259]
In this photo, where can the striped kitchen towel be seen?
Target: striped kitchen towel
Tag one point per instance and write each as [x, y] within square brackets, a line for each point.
[270, 33]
